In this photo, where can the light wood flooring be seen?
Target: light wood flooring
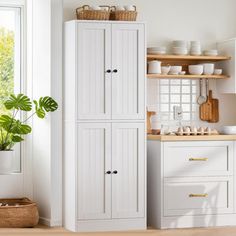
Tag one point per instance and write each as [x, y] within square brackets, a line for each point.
[41, 230]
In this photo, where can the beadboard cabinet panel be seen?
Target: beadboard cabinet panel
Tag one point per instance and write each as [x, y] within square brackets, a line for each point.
[94, 160]
[94, 59]
[128, 159]
[128, 83]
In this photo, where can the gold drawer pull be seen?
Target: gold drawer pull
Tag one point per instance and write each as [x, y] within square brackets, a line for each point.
[198, 195]
[198, 159]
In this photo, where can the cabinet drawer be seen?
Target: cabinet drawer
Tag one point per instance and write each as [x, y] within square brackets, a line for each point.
[198, 158]
[198, 198]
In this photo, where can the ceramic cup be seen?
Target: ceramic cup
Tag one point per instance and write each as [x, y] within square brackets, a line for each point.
[129, 8]
[95, 7]
[208, 68]
[120, 8]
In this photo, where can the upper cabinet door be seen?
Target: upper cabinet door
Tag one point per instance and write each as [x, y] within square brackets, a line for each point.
[128, 168]
[93, 61]
[94, 160]
[128, 77]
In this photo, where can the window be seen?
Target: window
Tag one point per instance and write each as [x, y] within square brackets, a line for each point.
[10, 60]
[177, 92]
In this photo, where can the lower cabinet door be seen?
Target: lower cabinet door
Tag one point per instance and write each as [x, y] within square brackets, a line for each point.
[128, 168]
[93, 163]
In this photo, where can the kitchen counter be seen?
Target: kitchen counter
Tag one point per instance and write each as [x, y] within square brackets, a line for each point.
[167, 138]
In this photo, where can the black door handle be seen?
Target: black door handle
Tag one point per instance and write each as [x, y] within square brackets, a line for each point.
[115, 71]
[108, 172]
[115, 172]
[108, 71]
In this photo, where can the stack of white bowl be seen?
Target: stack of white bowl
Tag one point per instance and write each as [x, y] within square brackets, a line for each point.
[156, 50]
[195, 49]
[212, 52]
[180, 47]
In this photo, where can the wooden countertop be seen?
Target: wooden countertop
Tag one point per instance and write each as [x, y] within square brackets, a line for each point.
[166, 138]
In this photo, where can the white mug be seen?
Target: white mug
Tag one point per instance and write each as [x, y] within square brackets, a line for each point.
[96, 7]
[120, 8]
[129, 8]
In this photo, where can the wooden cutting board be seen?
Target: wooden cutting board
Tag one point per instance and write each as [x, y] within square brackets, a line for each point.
[205, 111]
[215, 108]
[149, 114]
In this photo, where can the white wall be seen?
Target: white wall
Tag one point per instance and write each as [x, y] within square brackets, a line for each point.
[45, 60]
[206, 20]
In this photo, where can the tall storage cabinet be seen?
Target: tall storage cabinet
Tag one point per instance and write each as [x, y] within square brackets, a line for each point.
[104, 126]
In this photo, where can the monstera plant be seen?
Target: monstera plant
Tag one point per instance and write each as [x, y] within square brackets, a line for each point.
[13, 130]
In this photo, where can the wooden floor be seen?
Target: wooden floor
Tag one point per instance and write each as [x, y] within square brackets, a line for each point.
[229, 231]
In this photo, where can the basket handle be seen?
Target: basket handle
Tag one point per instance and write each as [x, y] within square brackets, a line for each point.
[135, 8]
[105, 6]
[84, 7]
[113, 8]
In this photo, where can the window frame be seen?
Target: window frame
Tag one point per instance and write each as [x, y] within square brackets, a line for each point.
[19, 70]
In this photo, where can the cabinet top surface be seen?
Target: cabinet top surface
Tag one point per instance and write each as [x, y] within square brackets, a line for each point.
[105, 22]
[166, 138]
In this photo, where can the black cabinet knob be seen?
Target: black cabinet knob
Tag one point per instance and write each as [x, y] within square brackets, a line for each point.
[108, 71]
[115, 172]
[108, 172]
[115, 71]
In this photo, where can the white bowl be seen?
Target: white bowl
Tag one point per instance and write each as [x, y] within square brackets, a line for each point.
[195, 69]
[180, 43]
[212, 52]
[175, 70]
[195, 53]
[228, 130]
[165, 70]
[208, 68]
[195, 43]
[218, 72]
[180, 50]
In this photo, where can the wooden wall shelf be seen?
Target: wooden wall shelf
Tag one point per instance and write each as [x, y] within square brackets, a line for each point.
[188, 58]
[156, 76]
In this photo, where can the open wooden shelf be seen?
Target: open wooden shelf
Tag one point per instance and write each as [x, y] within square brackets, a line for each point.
[156, 76]
[187, 58]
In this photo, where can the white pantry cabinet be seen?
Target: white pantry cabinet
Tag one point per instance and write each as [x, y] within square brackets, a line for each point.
[104, 126]
[191, 183]
[110, 70]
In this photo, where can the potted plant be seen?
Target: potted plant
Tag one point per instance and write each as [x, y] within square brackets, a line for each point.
[13, 130]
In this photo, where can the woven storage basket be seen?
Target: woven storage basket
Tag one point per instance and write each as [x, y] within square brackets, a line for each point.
[23, 215]
[123, 15]
[85, 13]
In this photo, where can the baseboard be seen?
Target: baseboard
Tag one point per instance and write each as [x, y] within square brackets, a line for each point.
[111, 225]
[49, 222]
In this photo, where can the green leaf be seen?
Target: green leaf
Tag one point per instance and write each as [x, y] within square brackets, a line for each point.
[14, 126]
[48, 104]
[19, 102]
[17, 139]
[45, 104]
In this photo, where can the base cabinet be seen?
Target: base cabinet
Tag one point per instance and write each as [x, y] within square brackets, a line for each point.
[191, 184]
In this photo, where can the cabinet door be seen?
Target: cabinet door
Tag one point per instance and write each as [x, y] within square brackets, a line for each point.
[94, 59]
[128, 83]
[94, 160]
[128, 159]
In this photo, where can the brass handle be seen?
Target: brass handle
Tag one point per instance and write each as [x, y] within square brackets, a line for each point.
[198, 159]
[198, 195]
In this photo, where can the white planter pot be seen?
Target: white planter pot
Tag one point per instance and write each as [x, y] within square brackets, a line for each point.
[6, 162]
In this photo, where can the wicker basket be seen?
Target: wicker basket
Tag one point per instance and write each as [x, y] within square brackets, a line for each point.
[85, 13]
[123, 15]
[20, 213]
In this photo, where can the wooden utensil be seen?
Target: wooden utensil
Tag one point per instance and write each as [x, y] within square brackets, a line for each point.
[205, 111]
[215, 109]
[149, 114]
